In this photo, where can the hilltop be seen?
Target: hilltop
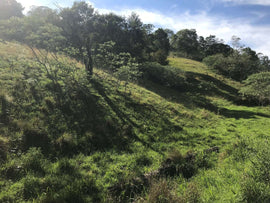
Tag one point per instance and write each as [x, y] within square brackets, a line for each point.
[65, 137]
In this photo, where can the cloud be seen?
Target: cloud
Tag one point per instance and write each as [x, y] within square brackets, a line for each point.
[27, 4]
[90, 3]
[250, 2]
[256, 37]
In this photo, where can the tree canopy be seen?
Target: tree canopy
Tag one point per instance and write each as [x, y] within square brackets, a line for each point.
[10, 8]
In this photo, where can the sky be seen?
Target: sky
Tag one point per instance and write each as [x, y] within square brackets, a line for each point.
[247, 19]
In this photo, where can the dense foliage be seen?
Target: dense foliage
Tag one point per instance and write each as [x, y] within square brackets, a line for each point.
[258, 86]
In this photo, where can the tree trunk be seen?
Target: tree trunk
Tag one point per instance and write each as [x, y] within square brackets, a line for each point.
[4, 110]
[89, 59]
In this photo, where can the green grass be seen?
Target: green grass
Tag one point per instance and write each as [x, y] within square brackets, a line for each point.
[188, 65]
[94, 135]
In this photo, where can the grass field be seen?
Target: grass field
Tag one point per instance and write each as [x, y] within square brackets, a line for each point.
[67, 139]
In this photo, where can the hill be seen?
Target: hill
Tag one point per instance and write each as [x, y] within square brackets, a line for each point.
[179, 135]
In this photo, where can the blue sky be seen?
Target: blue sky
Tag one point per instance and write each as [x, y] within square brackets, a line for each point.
[247, 19]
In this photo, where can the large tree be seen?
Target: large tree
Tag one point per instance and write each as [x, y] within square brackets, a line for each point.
[9, 8]
[137, 37]
[78, 25]
[44, 14]
[212, 45]
[160, 46]
[186, 42]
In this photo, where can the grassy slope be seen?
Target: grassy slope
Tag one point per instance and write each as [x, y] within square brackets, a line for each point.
[234, 123]
[155, 120]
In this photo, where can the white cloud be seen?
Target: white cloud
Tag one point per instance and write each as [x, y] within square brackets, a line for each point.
[27, 4]
[90, 3]
[257, 37]
[251, 2]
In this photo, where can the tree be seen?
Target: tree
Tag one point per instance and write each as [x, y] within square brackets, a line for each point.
[137, 38]
[14, 29]
[186, 42]
[78, 25]
[258, 86]
[170, 33]
[160, 46]
[264, 63]
[129, 69]
[235, 41]
[111, 27]
[47, 37]
[35, 30]
[44, 14]
[10, 8]
[212, 45]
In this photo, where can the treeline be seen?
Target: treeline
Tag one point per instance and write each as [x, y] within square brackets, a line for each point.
[112, 42]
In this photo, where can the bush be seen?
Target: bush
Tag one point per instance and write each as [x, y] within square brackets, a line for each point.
[257, 86]
[218, 63]
[164, 75]
[160, 56]
[237, 66]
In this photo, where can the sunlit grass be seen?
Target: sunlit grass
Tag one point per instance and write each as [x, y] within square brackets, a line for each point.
[158, 120]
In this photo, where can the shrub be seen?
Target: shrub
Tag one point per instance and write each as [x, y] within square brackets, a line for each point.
[237, 66]
[257, 86]
[164, 75]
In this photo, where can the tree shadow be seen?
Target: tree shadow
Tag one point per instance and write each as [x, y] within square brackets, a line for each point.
[210, 86]
[219, 84]
[240, 114]
[194, 99]
[126, 121]
[81, 123]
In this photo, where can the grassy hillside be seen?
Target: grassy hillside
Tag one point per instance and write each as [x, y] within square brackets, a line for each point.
[179, 135]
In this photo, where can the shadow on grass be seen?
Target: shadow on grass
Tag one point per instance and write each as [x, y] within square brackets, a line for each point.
[192, 98]
[240, 114]
[125, 118]
[209, 79]
[189, 82]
